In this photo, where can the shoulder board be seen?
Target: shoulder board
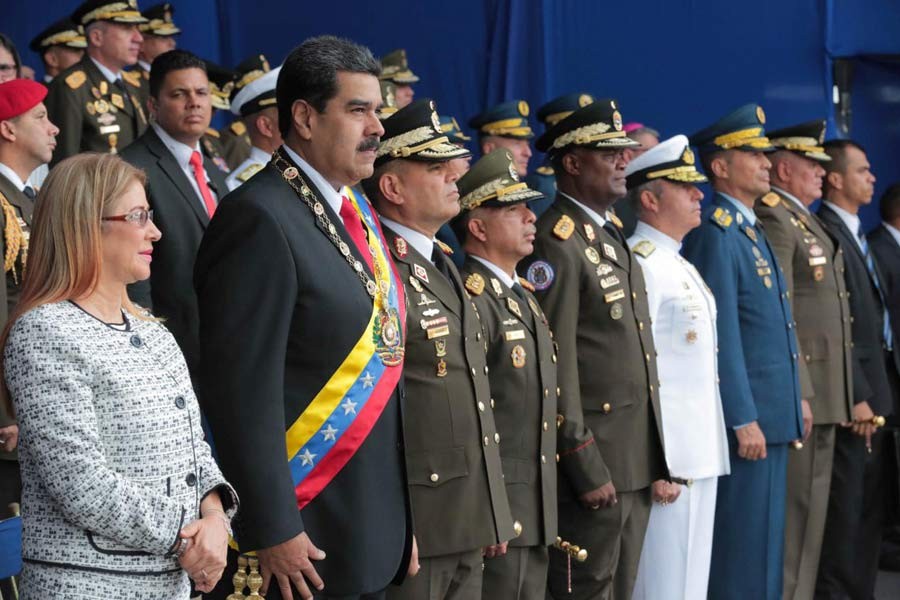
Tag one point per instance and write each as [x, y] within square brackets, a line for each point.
[545, 170]
[564, 227]
[76, 80]
[238, 127]
[249, 172]
[615, 220]
[526, 284]
[133, 78]
[445, 248]
[145, 74]
[475, 284]
[212, 132]
[771, 199]
[644, 248]
[721, 217]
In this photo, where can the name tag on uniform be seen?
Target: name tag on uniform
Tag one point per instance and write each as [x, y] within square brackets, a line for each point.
[765, 271]
[437, 332]
[106, 129]
[613, 296]
[817, 260]
[609, 281]
[518, 334]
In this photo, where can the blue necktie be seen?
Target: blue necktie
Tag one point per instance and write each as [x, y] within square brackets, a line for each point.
[887, 333]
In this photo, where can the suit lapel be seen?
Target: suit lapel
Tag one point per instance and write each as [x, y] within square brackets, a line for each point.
[173, 171]
[829, 216]
[425, 273]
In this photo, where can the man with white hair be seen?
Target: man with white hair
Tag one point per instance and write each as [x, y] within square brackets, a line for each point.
[256, 106]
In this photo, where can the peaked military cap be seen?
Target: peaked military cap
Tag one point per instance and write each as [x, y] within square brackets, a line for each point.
[388, 99]
[159, 20]
[741, 129]
[248, 71]
[395, 68]
[494, 181]
[452, 130]
[221, 81]
[509, 120]
[671, 159]
[92, 11]
[597, 125]
[559, 108]
[62, 33]
[256, 95]
[414, 132]
[805, 139]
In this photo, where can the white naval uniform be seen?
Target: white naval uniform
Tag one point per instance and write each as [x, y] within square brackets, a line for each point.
[677, 548]
[244, 171]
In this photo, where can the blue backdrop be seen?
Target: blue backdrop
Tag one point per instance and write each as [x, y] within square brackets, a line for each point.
[673, 64]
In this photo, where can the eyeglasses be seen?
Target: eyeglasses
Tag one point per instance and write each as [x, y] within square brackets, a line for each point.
[7, 67]
[137, 217]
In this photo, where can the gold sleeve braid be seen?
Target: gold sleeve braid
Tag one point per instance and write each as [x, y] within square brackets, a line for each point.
[14, 239]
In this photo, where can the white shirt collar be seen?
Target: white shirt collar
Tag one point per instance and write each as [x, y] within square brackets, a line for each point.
[895, 233]
[419, 241]
[181, 152]
[792, 197]
[850, 220]
[333, 197]
[107, 73]
[260, 156]
[660, 239]
[500, 273]
[144, 65]
[13, 178]
[47, 78]
[593, 214]
[740, 207]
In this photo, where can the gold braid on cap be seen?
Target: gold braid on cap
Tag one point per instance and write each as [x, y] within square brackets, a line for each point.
[405, 144]
[63, 37]
[111, 11]
[14, 238]
[494, 189]
[745, 137]
[588, 134]
[507, 127]
[802, 144]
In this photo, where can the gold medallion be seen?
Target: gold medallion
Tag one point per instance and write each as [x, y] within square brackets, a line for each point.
[117, 101]
[104, 88]
[101, 106]
[592, 255]
[442, 368]
[388, 337]
[440, 348]
[290, 173]
[90, 109]
[518, 356]
[691, 336]
[768, 281]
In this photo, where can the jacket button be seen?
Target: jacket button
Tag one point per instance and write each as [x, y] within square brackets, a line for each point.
[434, 477]
[481, 406]
[607, 407]
[136, 341]
[546, 426]
[478, 336]
[558, 392]
[807, 358]
[641, 325]
[486, 369]
[553, 358]
[544, 459]
[497, 438]
[517, 528]
[473, 372]
[546, 393]
[191, 479]
[647, 357]
[179, 402]
[487, 440]
[493, 404]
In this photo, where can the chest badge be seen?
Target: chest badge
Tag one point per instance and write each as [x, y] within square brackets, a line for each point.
[415, 284]
[518, 356]
[592, 255]
[420, 272]
[616, 311]
[514, 307]
[751, 233]
[495, 284]
[610, 252]
[401, 247]
[589, 232]
[691, 336]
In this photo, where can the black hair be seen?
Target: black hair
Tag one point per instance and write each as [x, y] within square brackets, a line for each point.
[173, 60]
[7, 43]
[890, 204]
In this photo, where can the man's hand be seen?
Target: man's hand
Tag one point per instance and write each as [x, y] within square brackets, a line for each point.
[603, 497]
[862, 422]
[751, 442]
[414, 566]
[204, 560]
[289, 562]
[807, 419]
[495, 550]
[665, 492]
[9, 438]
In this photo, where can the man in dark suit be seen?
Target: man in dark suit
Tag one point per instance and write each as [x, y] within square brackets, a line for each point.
[857, 504]
[305, 412]
[183, 189]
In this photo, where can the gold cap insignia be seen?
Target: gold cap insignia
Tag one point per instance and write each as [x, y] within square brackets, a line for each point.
[523, 108]
[761, 115]
[617, 120]
[435, 120]
[584, 100]
[687, 156]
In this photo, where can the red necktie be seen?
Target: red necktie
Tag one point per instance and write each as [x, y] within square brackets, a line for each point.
[354, 227]
[200, 177]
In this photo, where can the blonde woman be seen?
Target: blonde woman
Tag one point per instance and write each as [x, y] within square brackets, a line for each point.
[121, 498]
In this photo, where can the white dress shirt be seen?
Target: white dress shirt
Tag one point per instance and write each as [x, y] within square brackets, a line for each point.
[593, 214]
[850, 220]
[333, 197]
[182, 153]
[419, 241]
[107, 73]
[12, 176]
[741, 208]
[792, 198]
[500, 273]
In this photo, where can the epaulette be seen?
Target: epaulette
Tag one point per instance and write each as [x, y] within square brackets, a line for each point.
[644, 248]
[249, 172]
[475, 284]
[445, 248]
[771, 199]
[721, 217]
[133, 78]
[615, 220]
[76, 80]
[564, 227]
[526, 284]
[238, 127]
[545, 170]
[212, 132]
[145, 74]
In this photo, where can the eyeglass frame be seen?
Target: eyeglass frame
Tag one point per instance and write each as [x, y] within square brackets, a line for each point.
[8, 67]
[134, 217]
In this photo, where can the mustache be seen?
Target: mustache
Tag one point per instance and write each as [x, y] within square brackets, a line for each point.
[370, 143]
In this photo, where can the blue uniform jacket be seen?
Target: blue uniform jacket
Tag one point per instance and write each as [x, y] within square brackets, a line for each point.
[758, 367]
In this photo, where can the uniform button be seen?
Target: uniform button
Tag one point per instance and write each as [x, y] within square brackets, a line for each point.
[434, 477]
[487, 440]
[559, 421]
[641, 325]
[606, 407]
[557, 458]
[794, 355]
[544, 459]
[546, 393]
[790, 325]
[481, 406]
[634, 295]
[191, 479]
[851, 319]
[179, 402]
[496, 438]
[851, 344]
[844, 320]
[546, 426]
[493, 404]
[136, 341]
[717, 349]
[557, 392]
[717, 380]
[478, 337]
[473, 372]
[553, 358]
[840, 294]
[517, 528]
[842, 270]
[806, 357]
[485, 369]
[647, 357]
[465, 338]
[651, 388]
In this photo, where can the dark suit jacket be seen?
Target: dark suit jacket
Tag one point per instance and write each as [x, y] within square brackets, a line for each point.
[280, 310]
[887, 255]
[870, 382]
[179, 214]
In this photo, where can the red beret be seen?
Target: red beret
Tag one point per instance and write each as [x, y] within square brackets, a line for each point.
[18, 96]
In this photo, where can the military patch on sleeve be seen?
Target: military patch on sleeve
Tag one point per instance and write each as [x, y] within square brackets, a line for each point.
[249, 172]
[526, 284]
[238, 128]
[132, 78]
[540, 274]
[721, 217]
[564, 228]
[771, 199]
[644, 248]
[445, 248]
[76, 80]
[475, 284]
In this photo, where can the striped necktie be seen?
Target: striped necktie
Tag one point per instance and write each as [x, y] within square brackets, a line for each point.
[887, 333]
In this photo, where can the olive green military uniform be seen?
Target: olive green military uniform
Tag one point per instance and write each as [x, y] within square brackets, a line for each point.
[813, 267]
[93, 114]
[522, 362]
[593, 292]
[235, 142]
[211, 143]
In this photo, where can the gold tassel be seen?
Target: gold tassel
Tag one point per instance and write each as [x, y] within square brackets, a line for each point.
[14, 238]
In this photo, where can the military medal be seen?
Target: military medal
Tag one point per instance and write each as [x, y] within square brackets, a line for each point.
[816, 250]
[117, 101]
[589, 232]
[756, 252]
[430, 312]
[106, 119]
[613, 296]
[609, 251]
[768, 281]
[518, 356]
[291, 173]
[604, 269]
[101, 106]
[104, 87]
[89, 107]
[442, 368]
[428, 323]
[436, 332]
[440, 348]
[420, 272]
[511, 336]
[819, 273]
[592, 255]
[514, 307]
[415, 284]
[609, 281]
[691, 336]
[616, 311]
[751, 233]
[96, 93]
[424, 300]
[400, 246]
[495, 284]
[388, 337]
[739, 218]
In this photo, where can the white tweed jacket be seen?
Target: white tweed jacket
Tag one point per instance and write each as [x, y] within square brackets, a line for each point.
[111, 449]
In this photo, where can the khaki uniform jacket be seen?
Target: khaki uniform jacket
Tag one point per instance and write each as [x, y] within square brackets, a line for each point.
[522, 362]
[813, 267]
[235, 143]
[593, 292]
[93, 114]
[459, 502]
